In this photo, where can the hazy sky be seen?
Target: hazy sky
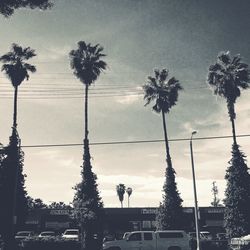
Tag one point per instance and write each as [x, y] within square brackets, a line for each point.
[138, 36]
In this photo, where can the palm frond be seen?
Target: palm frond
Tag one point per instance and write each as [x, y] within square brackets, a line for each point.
[162, 90]
[15, 67]
[85, 62]
[227, 76]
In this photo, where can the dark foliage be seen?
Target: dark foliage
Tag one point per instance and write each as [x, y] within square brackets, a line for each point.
[59, 205]
[237, 195]
[35, 203]
[170, 213]
[7, 7]
[88, 206]
[13, 194]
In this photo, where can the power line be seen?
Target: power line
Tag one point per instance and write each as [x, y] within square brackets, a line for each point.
[132, 142]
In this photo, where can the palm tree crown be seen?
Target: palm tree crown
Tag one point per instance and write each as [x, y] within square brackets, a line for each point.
[120, 189]
[227, 77]
[163, 90]
[86, 62]
[15, 66]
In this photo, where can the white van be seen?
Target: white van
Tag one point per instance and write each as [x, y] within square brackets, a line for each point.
[149, 240]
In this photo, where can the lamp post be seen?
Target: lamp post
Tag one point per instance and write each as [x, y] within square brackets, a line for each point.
[195, 195]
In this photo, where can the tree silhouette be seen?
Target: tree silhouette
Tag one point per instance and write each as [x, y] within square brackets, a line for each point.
[164, 92]
[129, 191]
[120, 190]
[14, 207]
[87, 66]
[228, 76]
[35, 203]
[216, 200]
[237, 195]
[59, 205]
[7, 7]
[16, 68]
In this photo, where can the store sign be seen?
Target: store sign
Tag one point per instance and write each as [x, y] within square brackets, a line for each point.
[215, 210]
[32, 222]
[188, 210]
[149, 211]
[56, 224]
[59, 212]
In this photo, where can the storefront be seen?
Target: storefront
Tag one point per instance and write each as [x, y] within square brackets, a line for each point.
[119, 220]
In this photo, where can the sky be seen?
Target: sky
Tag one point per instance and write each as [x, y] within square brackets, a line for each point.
[184, 37]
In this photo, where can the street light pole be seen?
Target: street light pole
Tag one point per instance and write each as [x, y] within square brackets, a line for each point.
[195, 194]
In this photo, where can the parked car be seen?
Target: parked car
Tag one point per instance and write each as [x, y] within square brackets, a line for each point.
[159, 240]
[221, 236]
[23, 235]
[71, 234]
[204, 235]
[240, 242]
[47, 234]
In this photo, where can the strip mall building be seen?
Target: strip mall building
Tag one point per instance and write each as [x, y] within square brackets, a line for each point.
[120, 220]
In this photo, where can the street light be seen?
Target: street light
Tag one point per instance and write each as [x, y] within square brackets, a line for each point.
[195, 195]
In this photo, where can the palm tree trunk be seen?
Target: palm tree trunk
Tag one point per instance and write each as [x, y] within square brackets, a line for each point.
[165, 136]
[233, 131]
[86, 112]
[15, 108]
[232, 116]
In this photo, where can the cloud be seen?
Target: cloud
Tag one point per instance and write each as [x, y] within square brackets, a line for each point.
[129, 99]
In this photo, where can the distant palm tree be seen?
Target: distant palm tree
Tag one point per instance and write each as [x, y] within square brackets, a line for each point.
[120, 189]
[164, 91]
[129, 191]
[227, 77]
[87, 65]
[17, 69]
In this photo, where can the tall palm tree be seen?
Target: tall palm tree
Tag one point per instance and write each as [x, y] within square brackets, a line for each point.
[87, 65]
[227, 77]
[17, 69]
[164, 91]
[120, 189]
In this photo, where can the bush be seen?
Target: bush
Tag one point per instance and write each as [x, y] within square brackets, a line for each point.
[51, 243]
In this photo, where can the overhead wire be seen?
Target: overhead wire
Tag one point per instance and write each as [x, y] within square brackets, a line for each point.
[133, 142]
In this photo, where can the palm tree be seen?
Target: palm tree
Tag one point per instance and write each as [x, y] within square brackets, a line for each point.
[17, 69]
[164, 91]
[227, 77]
[87, 66]
[129, 191]
[120, 189]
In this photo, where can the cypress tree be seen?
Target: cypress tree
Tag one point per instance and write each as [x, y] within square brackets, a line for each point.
[88, 206]
[170, 213]
[13, 194]
[237, 195]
